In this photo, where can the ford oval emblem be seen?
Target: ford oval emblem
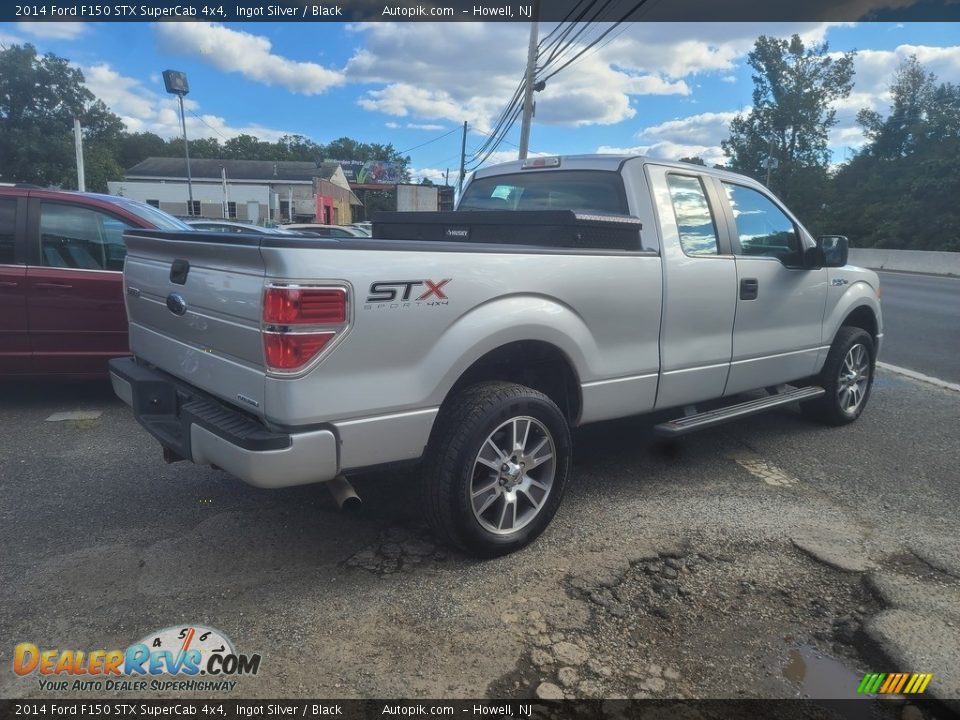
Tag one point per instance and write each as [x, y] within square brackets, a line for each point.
[176, 304]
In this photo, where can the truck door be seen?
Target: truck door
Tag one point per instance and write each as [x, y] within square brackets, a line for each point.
[699, 274]
[14, 337]
[777, 332]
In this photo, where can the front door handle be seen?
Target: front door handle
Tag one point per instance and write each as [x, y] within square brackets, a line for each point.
[53, 286]
[749, 288]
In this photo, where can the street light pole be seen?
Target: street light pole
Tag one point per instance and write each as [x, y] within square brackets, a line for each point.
[176, 84]
[186, 151]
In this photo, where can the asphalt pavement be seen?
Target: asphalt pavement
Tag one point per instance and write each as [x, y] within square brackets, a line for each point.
[921, 319]
[767, 558]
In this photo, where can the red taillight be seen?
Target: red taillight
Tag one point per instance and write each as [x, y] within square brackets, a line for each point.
[304, 306]
[318, 313]
[288, 351]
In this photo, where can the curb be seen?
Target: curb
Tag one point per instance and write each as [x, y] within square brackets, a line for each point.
[914, 375]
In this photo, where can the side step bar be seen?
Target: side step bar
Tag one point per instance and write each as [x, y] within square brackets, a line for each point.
[709, 418]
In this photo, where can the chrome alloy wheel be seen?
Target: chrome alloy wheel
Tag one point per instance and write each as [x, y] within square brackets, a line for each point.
[854, 376]
[513, 475]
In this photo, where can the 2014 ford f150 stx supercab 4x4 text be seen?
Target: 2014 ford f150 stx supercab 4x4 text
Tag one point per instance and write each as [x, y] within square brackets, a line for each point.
[561, 292]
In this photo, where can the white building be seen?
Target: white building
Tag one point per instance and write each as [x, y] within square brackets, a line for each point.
[249, 190]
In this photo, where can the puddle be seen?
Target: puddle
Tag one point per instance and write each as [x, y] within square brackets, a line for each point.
[820, 676]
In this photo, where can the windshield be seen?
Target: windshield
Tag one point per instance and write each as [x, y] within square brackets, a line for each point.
[585, 191]
[158, 218]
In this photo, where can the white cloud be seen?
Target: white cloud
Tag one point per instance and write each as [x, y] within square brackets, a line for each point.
[245, 53]
[143, 110]
[435, 175]
[54, 30]
[432, 72]
[871, 90]
[425, 126]
[392, 125]
[728, 79]
[692, 136]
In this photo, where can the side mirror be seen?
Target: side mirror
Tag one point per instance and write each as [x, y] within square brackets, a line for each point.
[833, 250]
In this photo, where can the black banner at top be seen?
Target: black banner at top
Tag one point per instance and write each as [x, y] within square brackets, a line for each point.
[482, 10]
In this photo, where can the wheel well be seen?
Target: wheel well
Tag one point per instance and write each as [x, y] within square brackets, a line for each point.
[538, 365]
[863, 318]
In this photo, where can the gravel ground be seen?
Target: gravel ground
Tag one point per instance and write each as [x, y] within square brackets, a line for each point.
[770, 558]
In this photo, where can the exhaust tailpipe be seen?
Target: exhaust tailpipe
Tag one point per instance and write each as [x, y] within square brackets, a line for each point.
[343, 492]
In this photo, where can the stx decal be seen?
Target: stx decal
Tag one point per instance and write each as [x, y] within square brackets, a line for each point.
[388, 291]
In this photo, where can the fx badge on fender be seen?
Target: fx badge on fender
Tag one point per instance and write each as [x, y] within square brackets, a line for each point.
[837, 282]
[176, 304]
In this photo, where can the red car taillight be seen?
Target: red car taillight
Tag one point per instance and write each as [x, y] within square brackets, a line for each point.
[299, 322]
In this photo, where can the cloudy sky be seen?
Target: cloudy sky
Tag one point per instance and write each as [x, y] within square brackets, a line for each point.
[667, 90]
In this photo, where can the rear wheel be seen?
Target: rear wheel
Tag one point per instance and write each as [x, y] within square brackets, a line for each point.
[847, 376]
[496, 468]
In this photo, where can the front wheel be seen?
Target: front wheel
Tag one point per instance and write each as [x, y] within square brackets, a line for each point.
[496, 468]
[847, 376]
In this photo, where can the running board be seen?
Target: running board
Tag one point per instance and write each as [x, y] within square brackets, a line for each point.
[684, 425]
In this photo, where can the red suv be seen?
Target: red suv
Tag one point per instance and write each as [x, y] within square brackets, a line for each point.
[61, 281]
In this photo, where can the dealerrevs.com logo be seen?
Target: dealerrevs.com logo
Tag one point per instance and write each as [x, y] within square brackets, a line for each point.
[181, 658]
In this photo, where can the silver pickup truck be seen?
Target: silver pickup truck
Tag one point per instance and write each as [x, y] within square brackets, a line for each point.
[562, 291]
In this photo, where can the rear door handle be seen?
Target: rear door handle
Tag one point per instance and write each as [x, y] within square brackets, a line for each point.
[58, 286]
[749, 288]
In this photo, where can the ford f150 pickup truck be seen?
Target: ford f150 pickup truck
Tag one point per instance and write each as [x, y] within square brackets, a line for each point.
[562, 291]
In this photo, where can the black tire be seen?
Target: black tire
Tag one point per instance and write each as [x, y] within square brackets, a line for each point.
[830, 408]
[451, 471]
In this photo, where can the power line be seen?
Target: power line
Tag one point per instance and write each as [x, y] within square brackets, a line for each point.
[604, 34]
[439, 137]
[198, 117]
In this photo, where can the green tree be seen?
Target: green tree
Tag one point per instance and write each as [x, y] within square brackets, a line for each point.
[695, 160]
[793, 88]
[899, 191]
[39, 97]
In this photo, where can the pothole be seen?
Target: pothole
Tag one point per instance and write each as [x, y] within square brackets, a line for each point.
[711, 622]
[396, 550]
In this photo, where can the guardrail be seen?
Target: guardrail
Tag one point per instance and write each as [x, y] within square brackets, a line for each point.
[919, 261]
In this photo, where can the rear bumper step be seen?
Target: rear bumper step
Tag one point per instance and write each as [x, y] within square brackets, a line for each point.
[192, 425]
[709, 418]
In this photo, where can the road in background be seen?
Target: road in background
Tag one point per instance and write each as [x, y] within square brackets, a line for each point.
[921, 323]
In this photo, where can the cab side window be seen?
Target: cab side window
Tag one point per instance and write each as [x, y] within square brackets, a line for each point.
[763, 229]
[80, 238]
[698, 232]
[8, 231]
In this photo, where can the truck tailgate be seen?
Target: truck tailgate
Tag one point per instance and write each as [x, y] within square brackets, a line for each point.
[194, 318]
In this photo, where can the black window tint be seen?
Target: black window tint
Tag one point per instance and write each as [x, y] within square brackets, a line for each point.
[584, 191]
[762, 227]
[8, 230]
[698, 233]
[78, 237]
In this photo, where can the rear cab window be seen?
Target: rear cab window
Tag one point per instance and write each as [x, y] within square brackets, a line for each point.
[599, 192]
[695, 223]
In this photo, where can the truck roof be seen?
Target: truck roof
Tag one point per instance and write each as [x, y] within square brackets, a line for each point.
[603, 162]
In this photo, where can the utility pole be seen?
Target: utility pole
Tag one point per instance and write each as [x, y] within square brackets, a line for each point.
[463, 158]
[78, 144]
[528, 84]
